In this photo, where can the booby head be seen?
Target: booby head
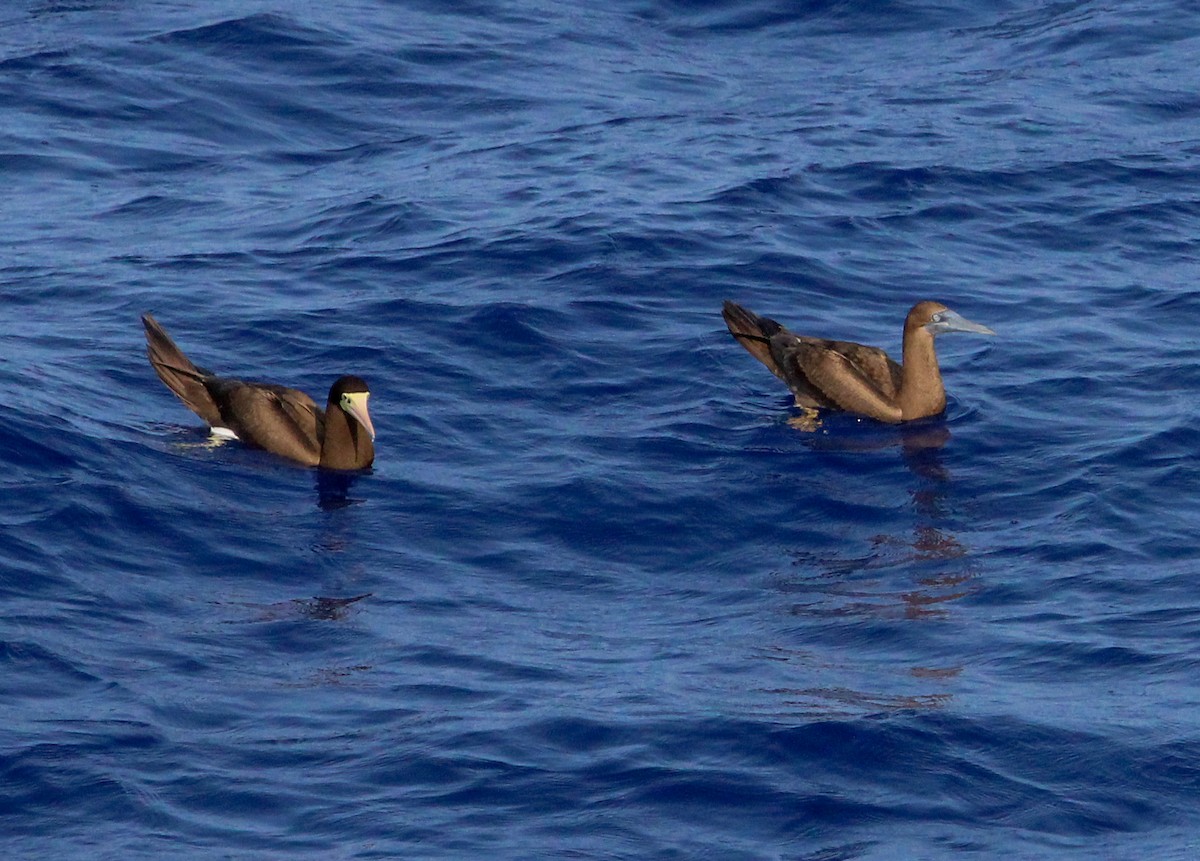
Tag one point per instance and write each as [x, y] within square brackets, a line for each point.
[936, 319]
[350, 393]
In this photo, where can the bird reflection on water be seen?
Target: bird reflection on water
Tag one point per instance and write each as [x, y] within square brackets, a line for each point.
[318, 609]
[930, 542]
[900, 578]
[333, 489]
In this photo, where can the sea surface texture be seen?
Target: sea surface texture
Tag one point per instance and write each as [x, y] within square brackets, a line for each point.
[605, 594]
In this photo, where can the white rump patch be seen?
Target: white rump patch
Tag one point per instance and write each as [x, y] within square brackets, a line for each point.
[223, 433]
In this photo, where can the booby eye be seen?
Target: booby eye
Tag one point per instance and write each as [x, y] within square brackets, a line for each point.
[936, 318]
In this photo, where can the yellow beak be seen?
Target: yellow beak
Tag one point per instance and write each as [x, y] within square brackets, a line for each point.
[355, 403]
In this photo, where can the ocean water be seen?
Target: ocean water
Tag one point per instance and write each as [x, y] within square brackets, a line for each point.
[598, 598]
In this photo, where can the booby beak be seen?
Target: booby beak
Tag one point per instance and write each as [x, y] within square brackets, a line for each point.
[355, 403]
[949, 321]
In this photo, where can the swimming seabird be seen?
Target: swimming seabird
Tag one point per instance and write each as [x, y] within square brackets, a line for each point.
[841, 375]
[283, 421]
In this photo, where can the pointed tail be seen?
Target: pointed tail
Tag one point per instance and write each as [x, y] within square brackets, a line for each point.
[752, 332]
[177, 371]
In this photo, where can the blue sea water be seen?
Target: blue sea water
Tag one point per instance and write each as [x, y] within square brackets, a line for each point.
[598, 598]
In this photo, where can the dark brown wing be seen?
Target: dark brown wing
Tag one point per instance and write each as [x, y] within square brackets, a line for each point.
[281, 420]
[873, 363]
[842, 381]
[801, 363]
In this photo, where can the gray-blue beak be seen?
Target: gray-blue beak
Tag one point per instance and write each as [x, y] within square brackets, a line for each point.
[949, 321]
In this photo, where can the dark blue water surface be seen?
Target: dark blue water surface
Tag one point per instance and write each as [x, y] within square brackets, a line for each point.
[598, 598]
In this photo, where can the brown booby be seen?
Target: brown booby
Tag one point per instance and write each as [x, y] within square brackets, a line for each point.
[840, 375]
[281, 420]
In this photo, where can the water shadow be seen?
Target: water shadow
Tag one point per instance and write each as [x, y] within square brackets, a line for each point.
[334, 486]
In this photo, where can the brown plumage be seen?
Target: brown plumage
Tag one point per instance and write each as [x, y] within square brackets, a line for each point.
[842, 375]
[283, 421]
